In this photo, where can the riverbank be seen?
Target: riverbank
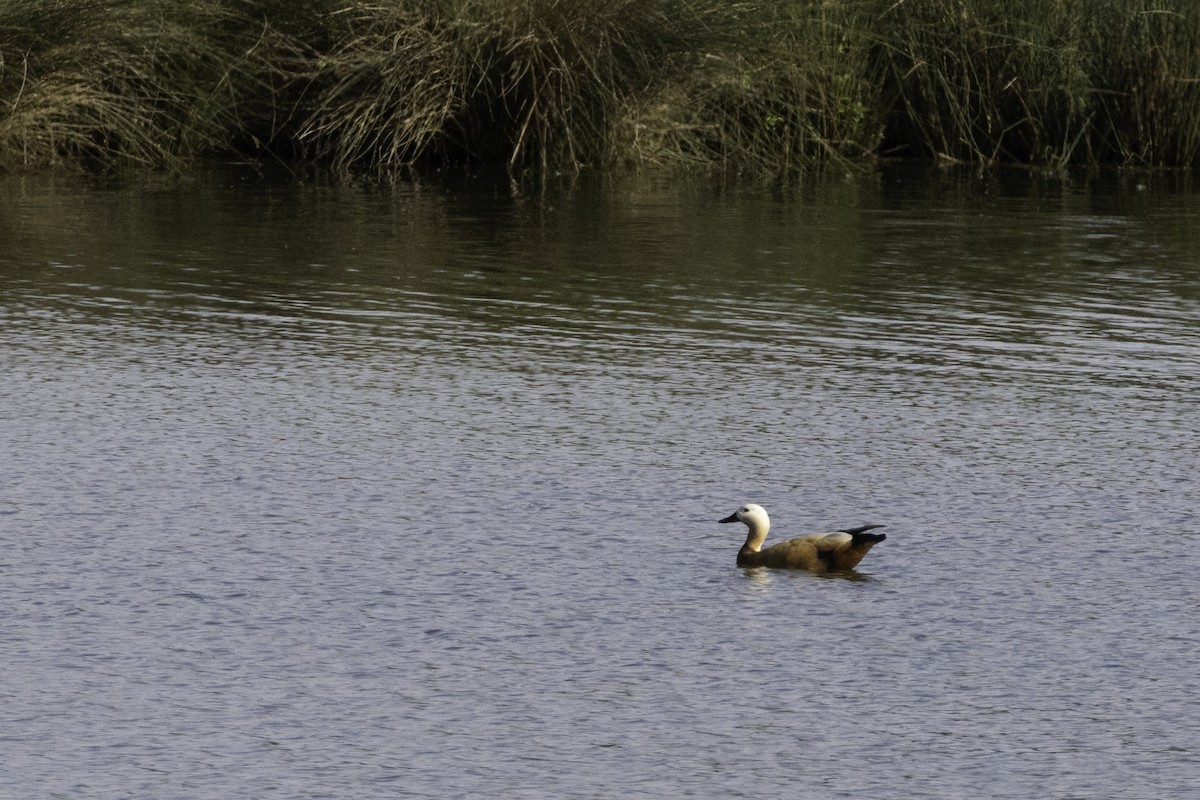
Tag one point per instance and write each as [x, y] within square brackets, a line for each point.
[539, 86]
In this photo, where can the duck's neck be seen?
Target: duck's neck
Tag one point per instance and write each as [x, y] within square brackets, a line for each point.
[755, 539]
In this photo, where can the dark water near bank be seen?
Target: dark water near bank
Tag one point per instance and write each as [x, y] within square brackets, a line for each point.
[310, 491]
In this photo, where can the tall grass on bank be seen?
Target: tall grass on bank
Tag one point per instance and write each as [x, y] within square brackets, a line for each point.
[984, 81]
[1144, 60]
[765, 87]
[112, 82]
[1071, 81]
[529, 84]
[778, 87]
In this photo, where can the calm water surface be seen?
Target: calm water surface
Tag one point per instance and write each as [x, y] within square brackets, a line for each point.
[314, 492]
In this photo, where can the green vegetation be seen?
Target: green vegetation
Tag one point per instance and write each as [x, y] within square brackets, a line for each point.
[764, 87]
[107, 82]
[1069, 81]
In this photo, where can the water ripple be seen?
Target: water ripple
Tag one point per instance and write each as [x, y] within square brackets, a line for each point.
[430, 508]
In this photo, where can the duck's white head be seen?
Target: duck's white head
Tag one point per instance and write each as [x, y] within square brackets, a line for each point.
[754, 516]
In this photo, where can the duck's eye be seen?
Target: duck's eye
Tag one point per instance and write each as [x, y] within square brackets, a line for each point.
[746, 510]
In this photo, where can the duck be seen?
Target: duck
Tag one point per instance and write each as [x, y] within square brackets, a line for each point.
[831, 551]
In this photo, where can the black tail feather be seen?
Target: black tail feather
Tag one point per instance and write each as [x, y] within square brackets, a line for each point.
[860, 535]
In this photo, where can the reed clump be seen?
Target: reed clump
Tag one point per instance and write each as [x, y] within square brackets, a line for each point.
[529, 84]
[766, 87]
[98, 83]
[984, 81]
[758, 86]
[1073, 81]
[779, 87]
[1144, 58]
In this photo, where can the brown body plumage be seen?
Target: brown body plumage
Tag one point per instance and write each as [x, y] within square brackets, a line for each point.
[835, 551]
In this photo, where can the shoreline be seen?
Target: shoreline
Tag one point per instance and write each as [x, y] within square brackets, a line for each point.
[541, 88]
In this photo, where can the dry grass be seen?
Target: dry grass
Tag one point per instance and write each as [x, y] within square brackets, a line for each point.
[108, 83]
[544, 86]
[530, 84]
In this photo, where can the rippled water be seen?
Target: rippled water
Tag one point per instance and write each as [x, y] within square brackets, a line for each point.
[312, 491]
